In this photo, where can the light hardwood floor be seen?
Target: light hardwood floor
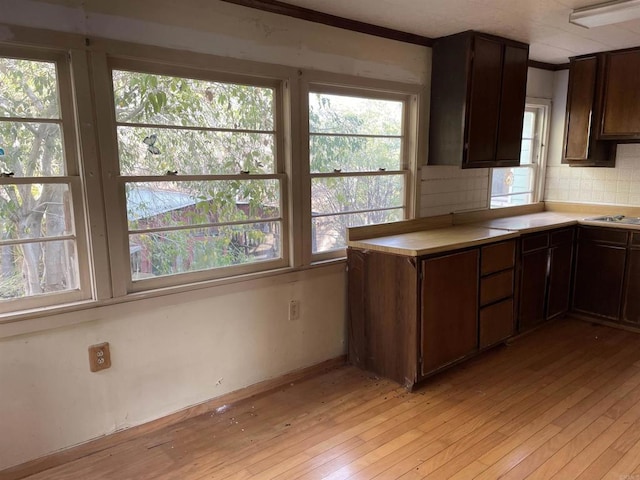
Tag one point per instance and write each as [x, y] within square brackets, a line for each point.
[561, 403]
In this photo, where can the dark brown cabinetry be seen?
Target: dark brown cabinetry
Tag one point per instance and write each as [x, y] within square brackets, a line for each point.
[621, 116]
[496, 318]
[600, 271]
[449, 308]
[584, 108]
[631, 310]
[545, 276]
[412, 316]
[477, 100]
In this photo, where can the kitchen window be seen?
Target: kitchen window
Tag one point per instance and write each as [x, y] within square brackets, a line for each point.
[200, 181]
[360, 159]
[512, 186]
[43, 248]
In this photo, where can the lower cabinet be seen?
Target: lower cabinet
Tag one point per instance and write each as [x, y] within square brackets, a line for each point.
[600, 271]
[631, 304]
[546, 260]
[410, 317]
[449, 308]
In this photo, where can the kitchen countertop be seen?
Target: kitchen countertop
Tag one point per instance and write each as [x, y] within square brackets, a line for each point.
[439, 240]
[535, 222]
[444, 239]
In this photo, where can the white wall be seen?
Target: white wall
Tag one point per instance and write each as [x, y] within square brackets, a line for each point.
[446, 189]
[619, 185]
[176, 351]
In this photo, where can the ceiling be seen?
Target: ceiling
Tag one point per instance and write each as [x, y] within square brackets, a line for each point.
[544, 24]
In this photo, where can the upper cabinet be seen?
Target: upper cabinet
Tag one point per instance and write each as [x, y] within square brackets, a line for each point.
[621, 115]
[584, 106]
[603, 106]
[478, 96]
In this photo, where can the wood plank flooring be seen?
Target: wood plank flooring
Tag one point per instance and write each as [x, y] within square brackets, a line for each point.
[560, 403]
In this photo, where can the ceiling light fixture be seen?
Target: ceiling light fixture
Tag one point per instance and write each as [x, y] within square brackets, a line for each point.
[606, 13]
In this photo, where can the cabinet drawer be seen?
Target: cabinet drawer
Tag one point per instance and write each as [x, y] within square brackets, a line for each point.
[561, 236]
[635, 239]
[605, 235]
[496, 323]
[535, 242]
[498, 256]
[496, 287]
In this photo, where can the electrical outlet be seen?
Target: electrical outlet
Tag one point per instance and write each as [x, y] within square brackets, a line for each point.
[294, 310]
[99, 357]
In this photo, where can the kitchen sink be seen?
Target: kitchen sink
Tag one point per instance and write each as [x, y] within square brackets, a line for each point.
[616, 219]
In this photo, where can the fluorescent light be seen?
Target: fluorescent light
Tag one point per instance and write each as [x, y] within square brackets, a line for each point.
[606, 13]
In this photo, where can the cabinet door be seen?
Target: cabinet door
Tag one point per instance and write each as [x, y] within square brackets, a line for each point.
[621, 118]
[598, 279]
[583, 109]
[496, 323]
[580, 103]
[514, 92]
[449, 308]
[484, 103]
[559, 279]
[631, 312]
[533, 286]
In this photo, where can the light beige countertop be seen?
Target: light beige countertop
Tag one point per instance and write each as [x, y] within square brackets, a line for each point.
[439, 240]
[534, 222]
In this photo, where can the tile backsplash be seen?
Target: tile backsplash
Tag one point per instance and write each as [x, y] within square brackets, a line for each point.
[446, 189]
[619, 185]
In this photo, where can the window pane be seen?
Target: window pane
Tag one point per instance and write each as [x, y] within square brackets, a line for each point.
[512, 200]
[354, 115]
[330, 233]
[526, 152]
[31, 149]
[38, 268]
[163, 100]
[512, 180]
[529, 124]
[28, 89]
[165, 204]
[192, 152]
[345, 194]
[168, 253]
[354, 154]
[35, 211]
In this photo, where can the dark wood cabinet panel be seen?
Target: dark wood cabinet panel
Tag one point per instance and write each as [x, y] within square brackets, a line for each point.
[599, 276]
[533, 288]
[450, 308]
[484, 104]
[560, 264]
[583, 110]
[496, 287]
[546, 271]
[631, 310]
[496, 323]
[383, 314]
[497, 257]
[621, 118]
[477, 100]
[514, 93]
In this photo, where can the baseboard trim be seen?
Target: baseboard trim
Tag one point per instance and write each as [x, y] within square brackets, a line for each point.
[101, 443]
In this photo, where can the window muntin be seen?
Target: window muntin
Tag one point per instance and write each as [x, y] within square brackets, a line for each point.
[357, 166]
[512, 186]
[42, 258]
[199, 167]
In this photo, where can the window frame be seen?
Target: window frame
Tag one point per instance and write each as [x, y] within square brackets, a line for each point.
[330, 84]
[73, 177]
[542, 109]
[114, 183]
